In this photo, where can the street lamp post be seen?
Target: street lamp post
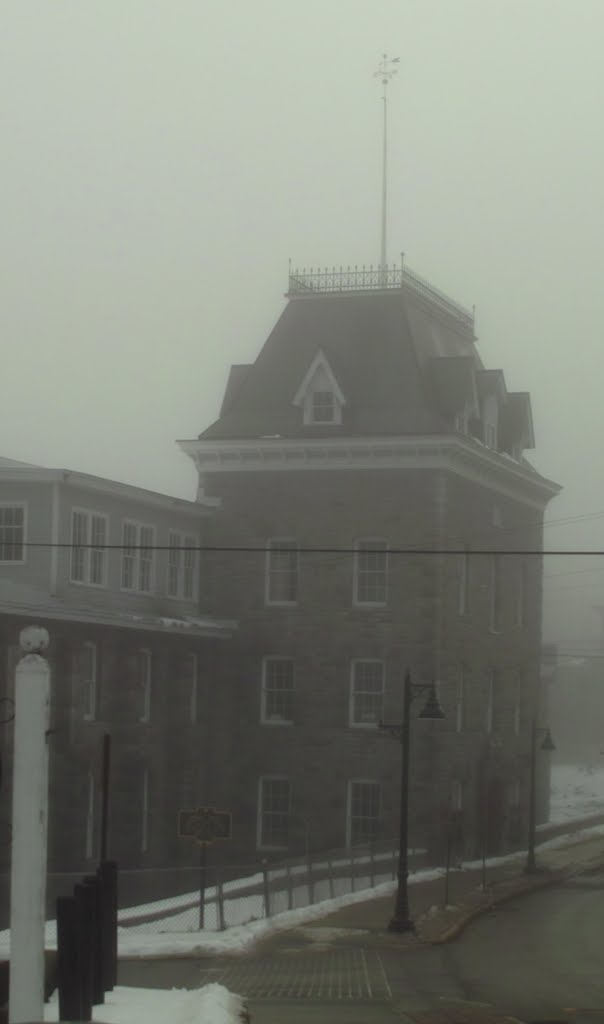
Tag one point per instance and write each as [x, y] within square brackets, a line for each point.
[401, 920]
[548, 744]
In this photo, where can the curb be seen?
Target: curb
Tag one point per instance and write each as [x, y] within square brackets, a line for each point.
[548, 878]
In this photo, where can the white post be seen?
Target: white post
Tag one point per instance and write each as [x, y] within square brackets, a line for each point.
[30, 807]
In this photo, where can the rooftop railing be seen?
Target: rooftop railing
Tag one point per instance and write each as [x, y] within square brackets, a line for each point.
[361, 279]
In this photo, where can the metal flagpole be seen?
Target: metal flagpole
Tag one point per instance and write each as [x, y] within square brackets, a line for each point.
[385, 73]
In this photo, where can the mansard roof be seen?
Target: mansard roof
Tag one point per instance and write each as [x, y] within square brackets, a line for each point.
[374, 354]
[401, 352]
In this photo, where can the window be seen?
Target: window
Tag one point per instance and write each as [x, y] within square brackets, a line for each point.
[145, 684]
[521, 595]
[12, 533]
[145, 812]
[495, 610]
[464, 583]
[137, 556]
[282, 571]
[85, 677]
[517, 705]
[456, 795]
[366, 692]
[90, 801]
[491, 435]
[88, 551]
[363, 811]
[277, 690]
[274, 808]
[323, 407]
[371, 572]
[188, 675]
[182, 565]
[490, 713]
[13, 657]
[460, 700]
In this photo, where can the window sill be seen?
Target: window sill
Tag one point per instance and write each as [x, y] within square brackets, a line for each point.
[277, 721]
[87, 583]
[281, 604]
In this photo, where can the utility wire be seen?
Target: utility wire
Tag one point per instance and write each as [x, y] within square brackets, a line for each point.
[244, 549]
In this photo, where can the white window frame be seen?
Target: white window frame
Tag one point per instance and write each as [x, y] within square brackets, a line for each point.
[265, 718]
[518, 704]
[259, 825]
[186, 549]
[190, 658]
[463, 605]
[310, 410]
[277, 544]
[90, 812]
[136, 557]
[490, 712]
[87, 549]
[352, 720]
[144, 655]
[361, 782]
[457, 788]
[516, 795]
[460, 700]
[145, 811]
[91, 693]
[21, 505]
[496, 594]
[521, 594]
[358, 572]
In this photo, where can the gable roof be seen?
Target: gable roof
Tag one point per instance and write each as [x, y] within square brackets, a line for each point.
[320, 362]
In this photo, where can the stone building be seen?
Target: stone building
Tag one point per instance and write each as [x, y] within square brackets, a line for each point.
[377, 514]
[112, 572]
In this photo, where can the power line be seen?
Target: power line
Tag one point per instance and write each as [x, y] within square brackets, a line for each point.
[245, 549]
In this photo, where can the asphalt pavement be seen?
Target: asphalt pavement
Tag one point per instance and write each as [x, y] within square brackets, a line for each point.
[534, 953]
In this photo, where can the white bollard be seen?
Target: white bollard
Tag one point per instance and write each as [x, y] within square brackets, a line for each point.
[30, 813]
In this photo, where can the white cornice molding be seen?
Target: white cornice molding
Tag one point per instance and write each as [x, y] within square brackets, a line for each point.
[465, 457]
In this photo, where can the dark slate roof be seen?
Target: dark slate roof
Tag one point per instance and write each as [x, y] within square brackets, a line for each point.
[454, 382]
[237, 375]
[380, 346]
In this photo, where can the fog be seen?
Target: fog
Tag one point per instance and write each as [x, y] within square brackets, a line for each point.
[163, 159]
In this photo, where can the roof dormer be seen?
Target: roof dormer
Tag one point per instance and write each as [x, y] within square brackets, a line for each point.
[319, 395]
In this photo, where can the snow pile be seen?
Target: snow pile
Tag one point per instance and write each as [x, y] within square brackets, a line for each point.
[576, 792]
[212, 1004]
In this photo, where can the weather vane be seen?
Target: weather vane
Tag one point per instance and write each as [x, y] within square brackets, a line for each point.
[385, 72]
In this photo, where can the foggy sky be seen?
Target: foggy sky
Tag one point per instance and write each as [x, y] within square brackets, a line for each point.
[161, 161]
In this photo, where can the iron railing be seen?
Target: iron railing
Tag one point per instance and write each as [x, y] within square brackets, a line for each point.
[360, 279]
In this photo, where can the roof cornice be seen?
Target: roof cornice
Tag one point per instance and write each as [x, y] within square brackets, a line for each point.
[465, 457]
[113, 488]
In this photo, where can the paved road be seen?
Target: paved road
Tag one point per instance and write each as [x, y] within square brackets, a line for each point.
[539, 958]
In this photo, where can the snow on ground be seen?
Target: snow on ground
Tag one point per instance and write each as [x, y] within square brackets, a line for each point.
[212, 1004]
[576, 791]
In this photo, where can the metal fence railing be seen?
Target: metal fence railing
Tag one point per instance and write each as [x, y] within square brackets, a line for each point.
[264, 889]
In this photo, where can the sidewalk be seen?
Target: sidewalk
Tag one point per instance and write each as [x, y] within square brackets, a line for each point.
[365, 923]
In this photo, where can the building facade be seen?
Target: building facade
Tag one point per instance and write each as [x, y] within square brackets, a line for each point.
[112, 571]
[377, 514]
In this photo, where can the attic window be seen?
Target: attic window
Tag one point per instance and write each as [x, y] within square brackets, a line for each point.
[319, 395]
[323, 408]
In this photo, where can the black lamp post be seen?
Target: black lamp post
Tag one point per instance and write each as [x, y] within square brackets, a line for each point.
[401, 921]
[548, 744]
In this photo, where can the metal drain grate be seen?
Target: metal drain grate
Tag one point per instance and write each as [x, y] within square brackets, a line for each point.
[336, 976]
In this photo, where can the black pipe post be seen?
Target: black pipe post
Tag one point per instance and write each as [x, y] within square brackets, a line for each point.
[96, 938]
[84, 898]
[105, 769]
[401, 920]
[68, 955]
[531, 863]
[203, 864]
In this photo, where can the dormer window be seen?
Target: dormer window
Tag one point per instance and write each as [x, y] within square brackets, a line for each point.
[319, 394]
[323, 407]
